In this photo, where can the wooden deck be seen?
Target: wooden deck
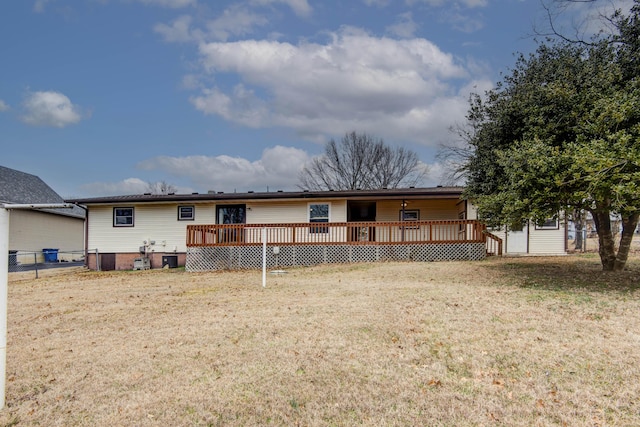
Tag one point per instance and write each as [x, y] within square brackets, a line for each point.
[351, 233]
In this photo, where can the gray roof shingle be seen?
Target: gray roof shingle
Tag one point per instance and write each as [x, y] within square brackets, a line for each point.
[21, 187]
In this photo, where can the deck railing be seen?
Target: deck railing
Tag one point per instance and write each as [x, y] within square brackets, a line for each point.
[354, 233]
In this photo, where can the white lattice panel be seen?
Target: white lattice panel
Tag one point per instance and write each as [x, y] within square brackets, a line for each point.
[250, 257]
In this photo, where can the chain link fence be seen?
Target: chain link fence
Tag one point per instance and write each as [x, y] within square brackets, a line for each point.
[36, 261]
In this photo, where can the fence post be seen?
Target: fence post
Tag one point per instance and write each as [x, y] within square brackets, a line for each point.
[35, 262]
[97, 261]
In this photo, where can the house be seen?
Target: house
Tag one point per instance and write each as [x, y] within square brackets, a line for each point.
[31, 231]
[226, 230]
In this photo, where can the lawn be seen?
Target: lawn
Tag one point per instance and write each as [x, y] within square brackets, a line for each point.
[511, 341]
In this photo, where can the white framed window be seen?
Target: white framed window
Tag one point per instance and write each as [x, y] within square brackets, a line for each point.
[123, 217]
[186, 213]
[319, 213]
[548, 224]
[409, 215]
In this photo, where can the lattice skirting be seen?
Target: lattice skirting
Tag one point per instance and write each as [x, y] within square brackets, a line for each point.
[250, 257]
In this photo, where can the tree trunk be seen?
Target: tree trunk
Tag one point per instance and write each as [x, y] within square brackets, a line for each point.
[578, 218]
[606, 242]
[629, 224]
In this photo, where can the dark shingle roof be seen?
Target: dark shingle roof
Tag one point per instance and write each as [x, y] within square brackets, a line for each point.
[395, 193]
[20, 187]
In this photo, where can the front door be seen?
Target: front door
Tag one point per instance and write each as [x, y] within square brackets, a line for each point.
[517, 240]
[361, 212]
[231, 214]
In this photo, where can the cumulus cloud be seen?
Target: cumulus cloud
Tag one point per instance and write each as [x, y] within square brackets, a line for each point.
[397, 89]
[3, 106]
[278, 168]
[50, 108]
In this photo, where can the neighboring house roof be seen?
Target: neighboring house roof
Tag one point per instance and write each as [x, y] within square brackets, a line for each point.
[392, 193]
[23, 188]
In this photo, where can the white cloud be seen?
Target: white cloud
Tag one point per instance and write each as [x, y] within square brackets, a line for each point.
[278, 168]
[405, 26]
[585, 19]
[3, 106]
[236, 20]
[178, 31]
[396, 89]
[463, 22]
[379, 3]
[126, 186]
[174, 4]
[299, 7]
[50, 109]
[456, 4]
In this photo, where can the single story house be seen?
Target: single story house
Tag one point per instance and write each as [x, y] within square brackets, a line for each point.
[219, 230]
[31, 231]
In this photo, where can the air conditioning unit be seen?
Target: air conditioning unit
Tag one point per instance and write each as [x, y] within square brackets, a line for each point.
[142, 263]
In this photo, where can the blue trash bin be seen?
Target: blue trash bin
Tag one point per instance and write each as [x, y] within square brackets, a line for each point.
[50, 255]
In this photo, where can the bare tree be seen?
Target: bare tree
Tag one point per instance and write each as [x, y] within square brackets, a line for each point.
[160, 187]
[458, 152]
[362, 161]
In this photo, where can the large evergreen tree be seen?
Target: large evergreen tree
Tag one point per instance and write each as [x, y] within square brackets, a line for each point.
[562, 132]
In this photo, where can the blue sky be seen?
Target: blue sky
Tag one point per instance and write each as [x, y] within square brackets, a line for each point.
[103, 97]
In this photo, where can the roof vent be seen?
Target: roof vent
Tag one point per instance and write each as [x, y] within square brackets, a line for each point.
[439, 186]
[195, 192]
[147, 194]
[279, 191]
[171, 194]
[305, 191]
[250, 191]
[412, 186]
[220, 192]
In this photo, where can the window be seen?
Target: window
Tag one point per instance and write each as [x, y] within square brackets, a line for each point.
[123, 217]
[548, 224]
[186, 213]
[410, 215]
[318, 212]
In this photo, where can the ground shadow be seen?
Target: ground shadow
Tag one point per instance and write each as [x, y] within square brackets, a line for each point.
[573, 272]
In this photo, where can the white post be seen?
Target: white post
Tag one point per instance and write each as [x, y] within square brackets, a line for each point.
[264, 257]
[4, 280]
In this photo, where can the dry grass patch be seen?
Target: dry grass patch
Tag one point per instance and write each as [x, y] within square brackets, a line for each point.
[530, 341]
